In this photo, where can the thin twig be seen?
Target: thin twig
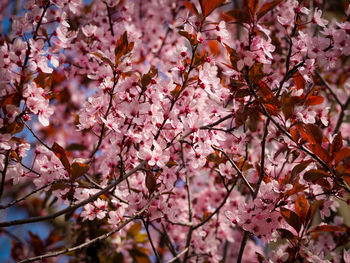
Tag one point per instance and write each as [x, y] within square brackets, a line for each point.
[325, 83]
[71, 209]
[178, 256]
[99, 238]
[146, 224]
[3, 173]
[217, 209]
[100, 187]
[251, 189]
[36, 136]
[109, 19]
[341, 115]
[26, 196]
[262, 163]
[189, 235]
[115, 81]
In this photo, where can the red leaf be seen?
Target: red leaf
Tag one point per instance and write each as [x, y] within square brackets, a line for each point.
[209, 6]
[287, 105]
[300, 167]
[314, 100]
[314, 174]
[122, 47]
[337, 143]
[266, 8]
[294, 132]
[284, 233]
[320, 152]
[299, 81]
[301, 207]
[326, 228]
[312, 210]
[151, 182]
[292, 218]
[314, 133]
[253, 7]
[36, 243]
[78, 170]
[341, 155]
[192, 8]
[61, 154]
[236, 15]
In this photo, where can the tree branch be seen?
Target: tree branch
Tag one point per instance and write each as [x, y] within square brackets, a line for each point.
[109, 19]
[325, 83]
[99, 238]
[71, 209]
[150, 240]
[3, 173]
[178, 255]
[26, 196]
[251, 189]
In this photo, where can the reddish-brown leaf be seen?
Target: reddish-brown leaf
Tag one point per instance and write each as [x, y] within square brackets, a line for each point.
[292, 218]
[121, 46]
[233, 56]
[297, 188]
[299, 81]
[192, 8]
[314, 133]
[214, 47]
[257, 73]
[294, 132]
[320, 152]
[314, 100]
[287, 105]
[253, 7]
[236, 15]
[341, 155]
[284, 233]
[104, 59]
[36, 243]
[312, 209]
[54, 236]
[61, 154]
[209, 6]
[301, 207]
[300, 167]
[326, 228]
[266, 8]
[241, 93]
[337, 143]
[78, 170]
[151, 182]
[314, 174]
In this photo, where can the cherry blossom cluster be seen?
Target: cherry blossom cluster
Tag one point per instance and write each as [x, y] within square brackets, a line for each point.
[180, 131]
